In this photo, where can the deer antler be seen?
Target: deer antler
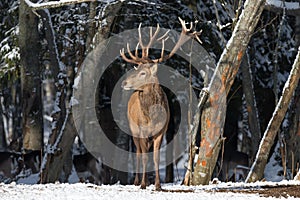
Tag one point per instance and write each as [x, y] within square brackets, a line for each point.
[145, 48]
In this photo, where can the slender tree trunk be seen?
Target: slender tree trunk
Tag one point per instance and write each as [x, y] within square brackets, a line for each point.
[3, 144]
[251, 105]
[257, 170]
[91, 27]
[51, 170]
[213, 116]
[32, 123]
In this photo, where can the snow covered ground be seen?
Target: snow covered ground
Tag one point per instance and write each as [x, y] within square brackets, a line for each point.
[82, 191]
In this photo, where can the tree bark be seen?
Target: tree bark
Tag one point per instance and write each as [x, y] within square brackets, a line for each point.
[257, 169]
[32, 122]
[213, 116]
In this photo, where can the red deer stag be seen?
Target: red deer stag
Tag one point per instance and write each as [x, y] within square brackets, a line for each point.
[148, 111]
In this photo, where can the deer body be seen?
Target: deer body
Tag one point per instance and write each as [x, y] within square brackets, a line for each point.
[148, 116]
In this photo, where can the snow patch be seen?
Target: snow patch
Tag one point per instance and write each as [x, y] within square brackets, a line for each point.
[117, 192]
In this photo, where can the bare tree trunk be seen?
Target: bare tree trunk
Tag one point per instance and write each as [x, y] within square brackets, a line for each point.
[32, 123]
[213, 116]
[257, 169]
[91, 27]
[251, 105]
[104, 32]
[55, 164]
[51, 170]
[3, 144]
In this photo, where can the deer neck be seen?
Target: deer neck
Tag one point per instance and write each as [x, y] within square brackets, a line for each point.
[149, 95]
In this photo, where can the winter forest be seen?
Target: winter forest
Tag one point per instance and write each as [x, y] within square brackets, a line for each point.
[235, 118]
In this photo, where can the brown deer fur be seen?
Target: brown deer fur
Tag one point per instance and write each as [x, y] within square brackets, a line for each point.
[148, 116]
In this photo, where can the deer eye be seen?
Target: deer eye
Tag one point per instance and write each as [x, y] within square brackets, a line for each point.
[143, 73]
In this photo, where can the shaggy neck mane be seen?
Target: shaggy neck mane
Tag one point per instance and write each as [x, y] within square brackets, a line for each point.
[150, 94]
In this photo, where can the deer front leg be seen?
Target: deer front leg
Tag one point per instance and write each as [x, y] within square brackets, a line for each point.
[144, 148]
[156, 159]
[138, 158]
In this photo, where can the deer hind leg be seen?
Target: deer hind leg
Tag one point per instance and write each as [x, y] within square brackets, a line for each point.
[138, 158]
[156, 159]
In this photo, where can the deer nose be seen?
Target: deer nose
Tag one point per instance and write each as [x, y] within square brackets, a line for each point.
[124, 83]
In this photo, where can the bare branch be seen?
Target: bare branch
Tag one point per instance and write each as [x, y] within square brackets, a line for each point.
[54, 4]
[292, 8]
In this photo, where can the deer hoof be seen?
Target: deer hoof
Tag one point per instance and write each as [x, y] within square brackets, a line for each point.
[136, 183]
[143, 186]
[158, 188]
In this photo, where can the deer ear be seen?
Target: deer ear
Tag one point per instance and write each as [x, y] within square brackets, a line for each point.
[154, 69]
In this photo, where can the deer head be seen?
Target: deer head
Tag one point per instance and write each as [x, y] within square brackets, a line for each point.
[144, 74]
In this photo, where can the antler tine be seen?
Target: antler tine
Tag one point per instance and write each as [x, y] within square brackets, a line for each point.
[195, 33]
[150, 31]
[152, 38]
[140, 35]
[191, 27]
[122, 53]
[164, 36]
[162, 48]
[182, 39]
[145, 49]
[186, 30]
[182, 22]
[134, 59]
[137, 50]
[130, 54]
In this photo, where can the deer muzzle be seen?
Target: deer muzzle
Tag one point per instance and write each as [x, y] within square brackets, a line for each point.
[125, 85]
